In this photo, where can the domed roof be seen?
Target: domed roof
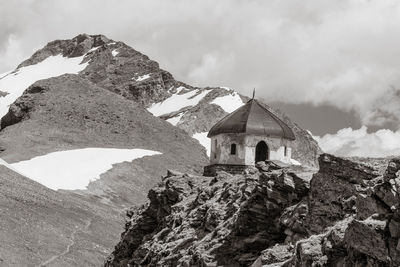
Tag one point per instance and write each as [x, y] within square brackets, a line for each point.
[252, 118]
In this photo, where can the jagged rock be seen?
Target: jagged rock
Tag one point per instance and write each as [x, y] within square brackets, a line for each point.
[171, 173]
[345, 220]
[366, 237]
[225, 220]
[228, 220]
[19, 110]
[339, 189]
[309, 252]
[277, 255]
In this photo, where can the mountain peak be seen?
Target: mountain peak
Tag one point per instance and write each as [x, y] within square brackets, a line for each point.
[75, 47]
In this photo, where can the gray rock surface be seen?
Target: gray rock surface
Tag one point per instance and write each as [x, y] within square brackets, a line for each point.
[343, 219]
[209, 221]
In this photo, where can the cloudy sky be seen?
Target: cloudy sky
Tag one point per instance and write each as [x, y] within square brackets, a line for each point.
[333, 66]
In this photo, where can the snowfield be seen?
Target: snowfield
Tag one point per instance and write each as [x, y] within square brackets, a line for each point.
[204, 141]
[15, 83]
[4, 163]
[228, 103]
[295, 162]
[175, 120]
[114, 52]
[177, 101]
[93, 49]
[143, 77]
[74, 169]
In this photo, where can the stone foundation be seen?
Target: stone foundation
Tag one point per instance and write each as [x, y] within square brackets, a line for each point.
[211, 170]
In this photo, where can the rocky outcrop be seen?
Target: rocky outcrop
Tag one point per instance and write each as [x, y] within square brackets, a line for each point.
[209, 221]
[350, 218]
[21, 108]
[347, 216]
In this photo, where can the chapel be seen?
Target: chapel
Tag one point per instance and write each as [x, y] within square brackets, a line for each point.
[248, 135]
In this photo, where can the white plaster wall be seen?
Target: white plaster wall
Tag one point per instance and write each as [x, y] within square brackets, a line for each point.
[279, 154]
[221, 153]
[276, 148]
[246, 149]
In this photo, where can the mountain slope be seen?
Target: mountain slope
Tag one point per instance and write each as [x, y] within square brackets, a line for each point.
[39, 225]
[121, 69]
[69, 112]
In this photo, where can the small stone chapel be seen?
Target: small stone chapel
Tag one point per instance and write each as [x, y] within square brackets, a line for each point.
[248, 135]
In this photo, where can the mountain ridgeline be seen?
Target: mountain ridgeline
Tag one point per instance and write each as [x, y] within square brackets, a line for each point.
[118, 68]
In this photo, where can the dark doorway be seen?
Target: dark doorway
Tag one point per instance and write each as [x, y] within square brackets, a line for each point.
[261, 151]
[233, 149]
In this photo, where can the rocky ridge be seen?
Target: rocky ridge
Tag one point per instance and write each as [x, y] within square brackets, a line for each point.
[201, 221]
[346, 215]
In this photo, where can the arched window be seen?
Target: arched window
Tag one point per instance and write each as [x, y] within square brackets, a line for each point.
[233, 149]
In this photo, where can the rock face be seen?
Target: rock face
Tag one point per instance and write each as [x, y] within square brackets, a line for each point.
[349, 216]
[120, 69]
[201, 221]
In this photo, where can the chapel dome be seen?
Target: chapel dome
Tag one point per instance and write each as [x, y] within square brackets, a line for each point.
[253, 119]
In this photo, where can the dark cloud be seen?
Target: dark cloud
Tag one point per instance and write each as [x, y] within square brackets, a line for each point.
[341, 53]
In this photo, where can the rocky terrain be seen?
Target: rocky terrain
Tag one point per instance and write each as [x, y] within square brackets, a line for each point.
[91, 91]
[345, 214]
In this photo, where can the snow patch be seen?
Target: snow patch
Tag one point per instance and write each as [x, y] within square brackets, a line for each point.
[175, 120]
[204, 141]
[178, 101]
[226, 88]
[4, 163]
[143, 77]
[93, 49]
[295, 162]
[15, 83]
[74, 169]
[374, 222]
[228, 103]
[114, 52]
[5, 74]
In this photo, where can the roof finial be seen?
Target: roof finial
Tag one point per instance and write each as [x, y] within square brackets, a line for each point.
[254, 92]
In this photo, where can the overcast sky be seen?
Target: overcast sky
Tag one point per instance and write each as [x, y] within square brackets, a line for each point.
[330, 64]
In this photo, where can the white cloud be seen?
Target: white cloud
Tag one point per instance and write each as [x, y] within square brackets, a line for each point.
[349, 142]
[337, 52]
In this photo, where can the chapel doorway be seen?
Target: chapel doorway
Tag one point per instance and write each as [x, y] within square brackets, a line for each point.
[262, 152]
